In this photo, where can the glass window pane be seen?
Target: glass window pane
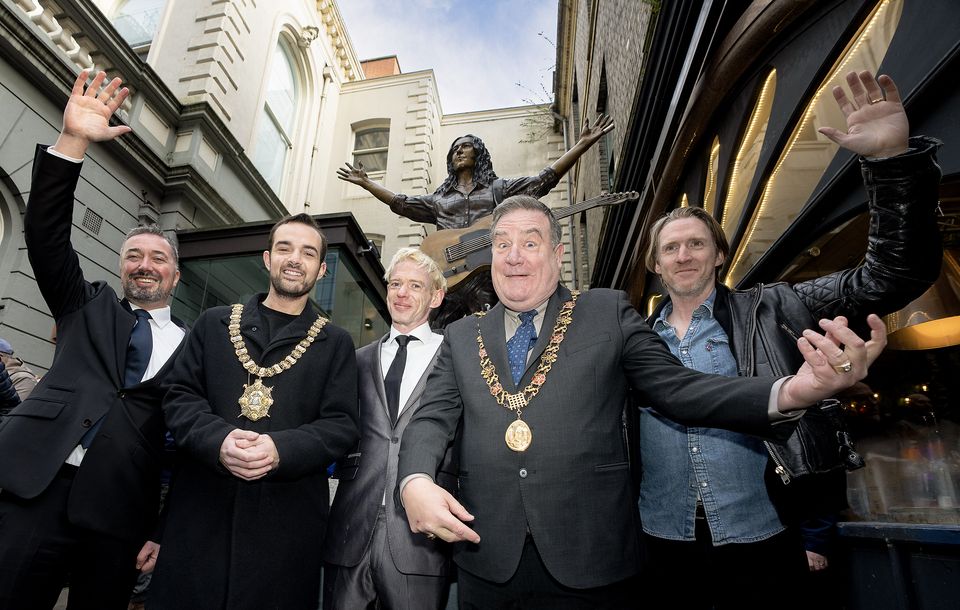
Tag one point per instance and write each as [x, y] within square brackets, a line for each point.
[271, 152]
[372, 138]
[282, 90]
[372, 162]
[137, 20]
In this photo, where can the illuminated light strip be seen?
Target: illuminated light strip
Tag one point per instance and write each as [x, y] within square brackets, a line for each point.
[710, 189]
[758, 121]
[846, 58]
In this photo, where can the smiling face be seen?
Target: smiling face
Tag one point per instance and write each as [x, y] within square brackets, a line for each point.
[294, 261]
[411, 296]
[526, 266]
[687, 258]
[148, 271]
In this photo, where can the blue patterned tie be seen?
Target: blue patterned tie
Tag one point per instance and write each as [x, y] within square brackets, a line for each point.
[519, 345]
[139, 349]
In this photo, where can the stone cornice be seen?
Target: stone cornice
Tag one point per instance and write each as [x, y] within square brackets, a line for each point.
[345, 57]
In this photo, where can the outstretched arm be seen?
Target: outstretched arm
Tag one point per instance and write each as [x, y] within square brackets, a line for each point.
[86, 118]
[357, 175]
[588, 137]
[876, 122]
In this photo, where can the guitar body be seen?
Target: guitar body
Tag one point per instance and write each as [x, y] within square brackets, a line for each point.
[463, 253]
[456, 270]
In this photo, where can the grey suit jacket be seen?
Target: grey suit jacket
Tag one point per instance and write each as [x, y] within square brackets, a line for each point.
[371, 471]
[571, 489]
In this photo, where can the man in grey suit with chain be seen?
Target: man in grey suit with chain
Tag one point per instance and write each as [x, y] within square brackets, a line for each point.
[373, 560]
[544, 478]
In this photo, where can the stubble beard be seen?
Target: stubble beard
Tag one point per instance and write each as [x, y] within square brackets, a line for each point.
[136, 294]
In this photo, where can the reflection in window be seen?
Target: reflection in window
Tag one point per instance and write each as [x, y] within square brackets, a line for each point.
[137, 21]
[710, 188]
[210, 282]
[808, 153]
[748, 155]
[275, 131]
[370, 149]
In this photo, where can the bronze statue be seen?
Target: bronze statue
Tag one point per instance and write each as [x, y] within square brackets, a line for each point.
[470, 192]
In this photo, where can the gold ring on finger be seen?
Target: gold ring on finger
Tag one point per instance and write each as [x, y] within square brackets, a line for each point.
[845, 367]
[431, 536]
[878, 100]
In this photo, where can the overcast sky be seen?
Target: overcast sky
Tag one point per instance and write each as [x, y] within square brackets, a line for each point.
[479, 49]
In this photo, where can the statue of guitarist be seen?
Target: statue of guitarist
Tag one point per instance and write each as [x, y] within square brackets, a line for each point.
[470, 191]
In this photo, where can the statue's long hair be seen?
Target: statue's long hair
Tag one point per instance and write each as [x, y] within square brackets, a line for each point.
[482, 169]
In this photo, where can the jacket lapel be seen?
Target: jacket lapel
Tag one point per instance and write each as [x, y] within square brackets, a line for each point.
[123, 326]
[494, 339]
[377, 373]
[558, 298]
[418, 389]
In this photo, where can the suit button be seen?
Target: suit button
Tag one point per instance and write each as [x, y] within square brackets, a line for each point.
[523, 473]
[122, 394]
[86, 423]
[395, 440]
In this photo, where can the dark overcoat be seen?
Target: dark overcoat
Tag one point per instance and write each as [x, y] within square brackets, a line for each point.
[230, 543]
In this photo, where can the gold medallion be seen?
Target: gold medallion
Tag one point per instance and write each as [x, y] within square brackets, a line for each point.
[255, 402]
[518, 436]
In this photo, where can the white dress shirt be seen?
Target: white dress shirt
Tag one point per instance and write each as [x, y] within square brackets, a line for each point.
[419, 355]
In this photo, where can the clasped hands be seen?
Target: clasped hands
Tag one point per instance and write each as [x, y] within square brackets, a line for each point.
[249, 455]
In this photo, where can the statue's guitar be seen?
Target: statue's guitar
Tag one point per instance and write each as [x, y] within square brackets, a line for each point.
[461, 253]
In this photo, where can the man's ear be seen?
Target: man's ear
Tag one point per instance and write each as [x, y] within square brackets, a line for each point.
[266, 259]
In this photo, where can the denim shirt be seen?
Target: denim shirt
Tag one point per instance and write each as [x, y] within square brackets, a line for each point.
[723, 468]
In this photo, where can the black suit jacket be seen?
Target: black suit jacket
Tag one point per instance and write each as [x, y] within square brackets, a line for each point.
[371, 471]
[571, 489]
[117, 488]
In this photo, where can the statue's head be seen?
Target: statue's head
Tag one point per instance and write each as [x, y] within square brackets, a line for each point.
[482, 164]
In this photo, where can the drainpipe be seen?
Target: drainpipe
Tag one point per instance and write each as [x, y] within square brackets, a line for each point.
[327, 77]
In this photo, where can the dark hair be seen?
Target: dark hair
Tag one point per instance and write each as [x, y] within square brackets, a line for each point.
[526, 202]
[482, 165]
[152, 229]
[304, 219]
[719, 237]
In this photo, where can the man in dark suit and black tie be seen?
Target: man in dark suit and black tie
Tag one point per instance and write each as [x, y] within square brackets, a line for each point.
[81, 455]
[373, 558]
[544, 475]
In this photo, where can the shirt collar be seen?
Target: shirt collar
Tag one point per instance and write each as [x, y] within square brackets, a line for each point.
[161, 316]
[421, 332]
[705, 309]
[514, 316]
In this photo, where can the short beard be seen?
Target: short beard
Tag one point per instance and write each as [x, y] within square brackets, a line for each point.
[276, 281]
[693, 291]
[136, 294]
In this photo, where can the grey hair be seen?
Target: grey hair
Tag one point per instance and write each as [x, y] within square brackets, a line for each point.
[526, 202]
[153, 229]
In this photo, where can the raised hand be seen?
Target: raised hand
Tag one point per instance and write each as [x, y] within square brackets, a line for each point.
[833, 362]
[355, 175]
[589, 135]
[877, 125]
[86, 118]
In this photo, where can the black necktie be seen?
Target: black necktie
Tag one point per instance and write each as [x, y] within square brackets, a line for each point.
[139, 349]
[391, 383]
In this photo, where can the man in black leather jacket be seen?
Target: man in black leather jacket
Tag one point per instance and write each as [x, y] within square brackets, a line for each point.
[707, 498]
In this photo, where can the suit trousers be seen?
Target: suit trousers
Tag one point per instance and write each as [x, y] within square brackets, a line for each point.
[376, 582]
[533, 588]
[41, 552]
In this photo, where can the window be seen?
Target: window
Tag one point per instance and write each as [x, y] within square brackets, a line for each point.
[277, 121]
[370, 149]
[137, 21]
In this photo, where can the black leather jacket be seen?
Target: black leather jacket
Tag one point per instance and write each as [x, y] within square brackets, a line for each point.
[902, 260]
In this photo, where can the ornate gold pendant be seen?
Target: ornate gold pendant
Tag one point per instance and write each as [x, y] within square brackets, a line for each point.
[516, 401]
[518, 436]
[255, 402]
